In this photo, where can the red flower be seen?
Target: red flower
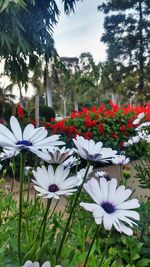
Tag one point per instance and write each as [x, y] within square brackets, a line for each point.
[89, 122]
[20, 111]
[47, 125]
[115, 136]
[130, 125]
[100, 128]
[88, 135]
[52, 119]
[122, 128]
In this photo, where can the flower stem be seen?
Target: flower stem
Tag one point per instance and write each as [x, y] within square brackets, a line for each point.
[14, 174]
[105, 250]
[22, 173]
[28, 192]
[88, 254]
[12, 186]
[54, 208]
[45, 220]
[71, 213]
[121, 175]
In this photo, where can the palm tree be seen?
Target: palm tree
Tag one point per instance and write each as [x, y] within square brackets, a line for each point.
[6, 96]
[37, 83]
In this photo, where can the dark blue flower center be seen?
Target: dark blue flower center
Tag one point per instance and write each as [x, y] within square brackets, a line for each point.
[108, 207]
[53, 188]
[24, 143]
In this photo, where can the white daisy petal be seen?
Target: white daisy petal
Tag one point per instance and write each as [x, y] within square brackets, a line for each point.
[69, 183]
[89, 206]
[98, 220]
[122, 197]
[93, 189]
[46, 264]
[36, 264]
[131, 214]
[104, 188]
[112, 189]
[38, 135]
[4, 131]
[5, 141]
[14, 124]
[130, 204]
[126, 230]
[107, 221]
[28, 131]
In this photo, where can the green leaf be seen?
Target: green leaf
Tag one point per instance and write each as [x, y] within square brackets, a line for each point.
[143, 263]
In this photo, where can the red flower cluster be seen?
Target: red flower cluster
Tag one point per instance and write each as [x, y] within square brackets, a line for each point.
[112, 126]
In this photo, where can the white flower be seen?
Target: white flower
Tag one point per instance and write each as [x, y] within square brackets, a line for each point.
[133, 140]
[143, 125]
[31, 138]
[120, 160]
[139, 118]
[111, 205]
[53, 184]
[36, 264]
[144, 135]
[28, 170]
[92, 151]
[81, 174]
[101, 174]
[58, 156]
[7, 154]
[70, 162]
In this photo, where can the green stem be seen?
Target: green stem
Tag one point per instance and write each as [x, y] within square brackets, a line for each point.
[105, 250]
[12, 186]
[45, 220]
[35, 197]
[70, 216]
[28, 232]
[22, 166]
[121, 176]
[88, 254]
[77, 165]
[28, 193]
[14, 174]
[54, 208]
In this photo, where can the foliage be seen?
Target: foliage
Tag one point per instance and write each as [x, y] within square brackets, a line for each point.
[26, 33]
[123, 252]
[6, 96]
[126, 33]
[46, 113]
[143, 171]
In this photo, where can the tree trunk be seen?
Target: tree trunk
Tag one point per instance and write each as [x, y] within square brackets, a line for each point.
[114, 98]
[48, 92]
[141, 53]
[37, 100]
[21, 98]
[75, 100]
[65, 108]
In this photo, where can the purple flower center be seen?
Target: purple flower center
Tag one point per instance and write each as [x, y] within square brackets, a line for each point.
[53, 188]
[108, 207]
[24, 143]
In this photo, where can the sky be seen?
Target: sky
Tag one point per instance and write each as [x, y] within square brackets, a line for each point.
[81, 31]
